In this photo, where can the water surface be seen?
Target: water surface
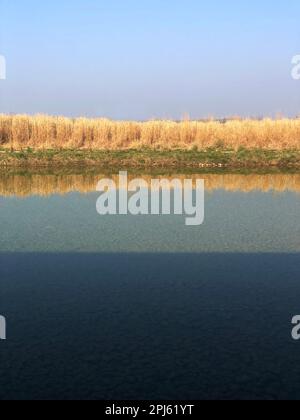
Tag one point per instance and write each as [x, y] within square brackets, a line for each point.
[144, 307]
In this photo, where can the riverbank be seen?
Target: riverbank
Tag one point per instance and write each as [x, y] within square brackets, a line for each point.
[147, 158]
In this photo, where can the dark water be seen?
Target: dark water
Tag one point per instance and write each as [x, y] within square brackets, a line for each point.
[194, 314]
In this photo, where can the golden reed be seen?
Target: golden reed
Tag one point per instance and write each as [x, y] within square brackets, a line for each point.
[45, 132]
[46, 185]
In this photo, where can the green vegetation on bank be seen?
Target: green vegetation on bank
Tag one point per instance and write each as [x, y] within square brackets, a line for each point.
[147, 158]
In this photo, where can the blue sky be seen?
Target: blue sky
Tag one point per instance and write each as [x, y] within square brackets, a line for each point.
[143, 59]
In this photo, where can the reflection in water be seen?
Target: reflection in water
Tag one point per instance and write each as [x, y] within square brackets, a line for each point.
[242, 214]
[23, 185]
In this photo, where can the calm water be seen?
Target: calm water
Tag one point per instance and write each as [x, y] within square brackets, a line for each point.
[143, 307]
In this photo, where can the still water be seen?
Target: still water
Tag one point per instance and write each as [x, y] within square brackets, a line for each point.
[123, 307]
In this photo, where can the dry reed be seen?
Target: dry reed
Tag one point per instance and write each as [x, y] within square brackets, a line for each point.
[45, 132]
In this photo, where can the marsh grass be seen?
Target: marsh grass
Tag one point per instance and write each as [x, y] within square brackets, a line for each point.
[18, 132]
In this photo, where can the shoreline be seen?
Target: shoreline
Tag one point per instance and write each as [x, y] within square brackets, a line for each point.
[213, 158]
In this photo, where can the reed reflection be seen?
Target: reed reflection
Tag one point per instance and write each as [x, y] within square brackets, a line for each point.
[46, 184]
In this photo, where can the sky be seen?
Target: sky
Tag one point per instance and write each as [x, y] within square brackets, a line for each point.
[140, 59]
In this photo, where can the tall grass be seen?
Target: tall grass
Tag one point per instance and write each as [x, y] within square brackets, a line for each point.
[45, 132]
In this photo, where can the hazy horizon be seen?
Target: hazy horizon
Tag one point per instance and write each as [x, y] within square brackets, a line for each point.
[143, 60]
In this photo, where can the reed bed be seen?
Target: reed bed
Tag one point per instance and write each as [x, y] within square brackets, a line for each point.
[18, 132]
[47, 185]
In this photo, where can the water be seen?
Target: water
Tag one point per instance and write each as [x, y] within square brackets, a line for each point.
[143, 307]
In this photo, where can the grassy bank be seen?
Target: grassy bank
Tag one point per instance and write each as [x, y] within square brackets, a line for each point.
[58, 141]
[148, 158]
